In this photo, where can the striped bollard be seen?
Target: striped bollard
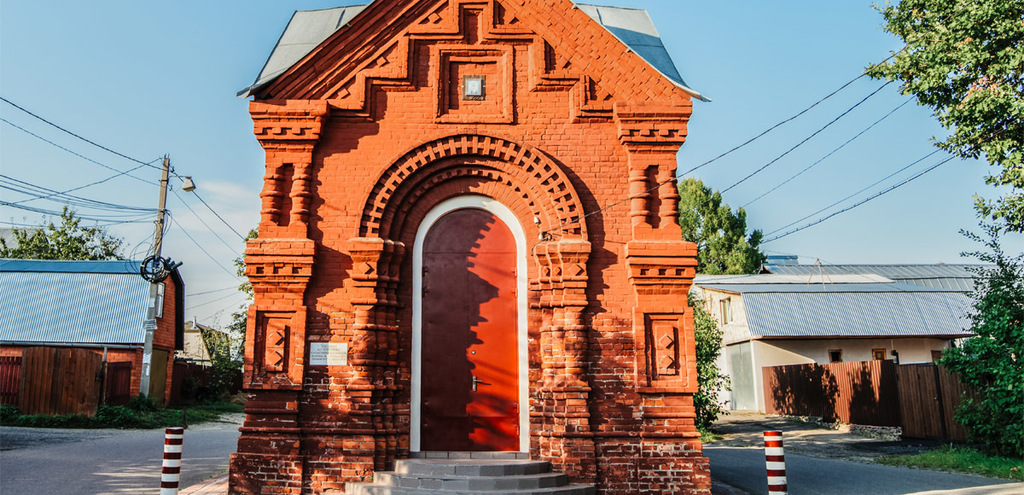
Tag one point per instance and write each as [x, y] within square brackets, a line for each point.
[172, 461]
[775, 462]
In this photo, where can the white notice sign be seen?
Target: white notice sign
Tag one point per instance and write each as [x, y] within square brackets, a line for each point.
[328, 354]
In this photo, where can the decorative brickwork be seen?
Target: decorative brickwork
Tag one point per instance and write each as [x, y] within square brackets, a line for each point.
[566, 128]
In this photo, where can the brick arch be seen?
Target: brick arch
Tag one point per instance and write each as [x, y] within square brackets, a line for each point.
[513, 171]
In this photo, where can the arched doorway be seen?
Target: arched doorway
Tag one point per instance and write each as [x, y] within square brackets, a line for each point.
[469, 332]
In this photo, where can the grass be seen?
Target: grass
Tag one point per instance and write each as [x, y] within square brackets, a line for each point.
[961, 459]
[708, 437]
[140, 413]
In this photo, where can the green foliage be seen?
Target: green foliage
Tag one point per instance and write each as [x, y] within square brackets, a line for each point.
[225, 365]
[723, 246]
[139, 413]
[710, 380]
[961, 459]
[964, 59]
[239, 319]
[69, 241]
[992, 363]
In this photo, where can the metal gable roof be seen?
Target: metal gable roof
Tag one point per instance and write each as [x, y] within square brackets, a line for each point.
[786, 306]
[857, 314]
[308, 28]
[101, 302]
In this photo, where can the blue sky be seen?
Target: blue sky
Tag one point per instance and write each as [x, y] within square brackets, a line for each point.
[154, 78]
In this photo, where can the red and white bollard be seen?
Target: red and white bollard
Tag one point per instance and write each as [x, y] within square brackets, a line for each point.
[775, 462]
[172, 461]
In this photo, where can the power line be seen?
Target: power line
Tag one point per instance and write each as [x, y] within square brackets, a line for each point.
[201, 248]
[120, 172]
[110, 221]
[80, 187]
[879, 181]
[232, 248]
[200, 198]
[233, 287]
[808, 138]
[830, 153]
[57, 196]
[894, 187]
[187, 308]
[100, 146]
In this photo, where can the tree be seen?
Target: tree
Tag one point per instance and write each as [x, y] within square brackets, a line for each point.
[239, 319]
[723, 246]
[964, 59]
[708, 343]
[69, 241]
[992, 362]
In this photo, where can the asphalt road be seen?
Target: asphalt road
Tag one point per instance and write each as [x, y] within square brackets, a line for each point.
[38, 461]
[744, 468]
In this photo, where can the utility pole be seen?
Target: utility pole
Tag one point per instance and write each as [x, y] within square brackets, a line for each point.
[154, 287]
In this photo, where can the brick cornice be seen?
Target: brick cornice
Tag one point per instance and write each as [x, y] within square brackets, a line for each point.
[652, 127]
[291, 124]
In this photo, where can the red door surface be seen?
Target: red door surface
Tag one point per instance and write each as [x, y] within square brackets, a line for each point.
[470, 378]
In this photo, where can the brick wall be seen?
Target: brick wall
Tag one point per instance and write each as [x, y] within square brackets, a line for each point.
[360, 148]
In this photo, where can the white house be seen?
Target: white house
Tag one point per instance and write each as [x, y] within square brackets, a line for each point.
[773, 320]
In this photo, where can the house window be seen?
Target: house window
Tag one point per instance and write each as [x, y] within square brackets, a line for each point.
[878, 354]
[159, 301]
[726, 311]
[835, 355]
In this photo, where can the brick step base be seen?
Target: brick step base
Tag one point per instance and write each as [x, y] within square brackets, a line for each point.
[470, 474]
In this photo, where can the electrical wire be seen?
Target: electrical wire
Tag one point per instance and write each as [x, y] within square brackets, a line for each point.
[200, 198]
[892, 188]
[201, 248]
[221, 239]
[107, 221]
[808, 138]
[879, 181]
[233, 287]
[100, 146]
[79, 155]
[45, 193]
[830, 153]
[189, 308]
[81, 187]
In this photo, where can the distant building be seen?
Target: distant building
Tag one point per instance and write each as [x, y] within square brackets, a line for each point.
[198, 338]
[774, 320]
[97, 305]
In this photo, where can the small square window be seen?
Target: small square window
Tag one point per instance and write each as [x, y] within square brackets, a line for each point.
[878, 354]
[835, 355]
[474, 87]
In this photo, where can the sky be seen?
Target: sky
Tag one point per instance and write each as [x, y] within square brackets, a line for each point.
[148, 79]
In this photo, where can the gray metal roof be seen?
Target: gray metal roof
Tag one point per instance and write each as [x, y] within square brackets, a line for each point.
[820, 310]
[857, 314]
[96, 302]
[952, 277]
[308, 28]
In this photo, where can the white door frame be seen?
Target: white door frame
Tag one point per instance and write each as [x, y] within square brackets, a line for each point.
[512, 222]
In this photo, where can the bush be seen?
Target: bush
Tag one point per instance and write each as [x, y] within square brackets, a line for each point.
[992, 363]
[708, 344]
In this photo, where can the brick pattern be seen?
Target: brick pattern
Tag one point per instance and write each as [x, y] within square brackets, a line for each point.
[365, 136]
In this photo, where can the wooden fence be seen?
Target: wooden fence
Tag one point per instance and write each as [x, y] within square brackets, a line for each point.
[10, 375]
[920, 398]
[59, 380]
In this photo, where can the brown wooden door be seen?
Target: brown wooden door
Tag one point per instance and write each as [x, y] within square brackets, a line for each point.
[469, 357]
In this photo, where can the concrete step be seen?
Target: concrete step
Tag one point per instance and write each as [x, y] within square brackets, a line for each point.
[458, 473]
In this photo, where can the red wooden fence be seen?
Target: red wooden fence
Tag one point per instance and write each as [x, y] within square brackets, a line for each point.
[59, 380]
[10, 376]
[920, 398]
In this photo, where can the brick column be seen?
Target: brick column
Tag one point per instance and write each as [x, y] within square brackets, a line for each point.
[661, 267]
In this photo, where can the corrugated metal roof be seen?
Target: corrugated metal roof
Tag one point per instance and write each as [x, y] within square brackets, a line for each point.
[857, 314]
[953, 277]
[44, 301]
[858, 278]
[308, 28]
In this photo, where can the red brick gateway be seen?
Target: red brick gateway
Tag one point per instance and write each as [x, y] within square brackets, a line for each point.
[468, 241]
